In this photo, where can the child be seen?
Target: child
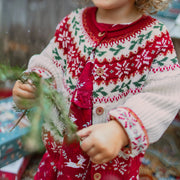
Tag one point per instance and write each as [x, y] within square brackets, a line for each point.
[120, 76]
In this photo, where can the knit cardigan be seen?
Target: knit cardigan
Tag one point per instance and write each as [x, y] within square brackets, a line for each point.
[136, 75]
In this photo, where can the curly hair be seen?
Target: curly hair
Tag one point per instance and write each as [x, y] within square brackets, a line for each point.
[151, 6]
[146, 6]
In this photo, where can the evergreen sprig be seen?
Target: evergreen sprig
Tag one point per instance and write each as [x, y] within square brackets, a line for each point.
[9, 73]
[47, 99]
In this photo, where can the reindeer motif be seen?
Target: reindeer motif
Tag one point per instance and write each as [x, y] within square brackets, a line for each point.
[79, 164]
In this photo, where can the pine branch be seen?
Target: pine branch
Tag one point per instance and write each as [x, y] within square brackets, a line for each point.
[48, 97]
[9, 73]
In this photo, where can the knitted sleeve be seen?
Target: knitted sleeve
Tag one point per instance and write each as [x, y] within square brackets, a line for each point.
[48, 62]
[145, 116]
[43, 64]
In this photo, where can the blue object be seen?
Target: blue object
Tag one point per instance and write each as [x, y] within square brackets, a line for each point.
[11, 142]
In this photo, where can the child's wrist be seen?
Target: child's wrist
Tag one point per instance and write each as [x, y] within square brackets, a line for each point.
[123, 134]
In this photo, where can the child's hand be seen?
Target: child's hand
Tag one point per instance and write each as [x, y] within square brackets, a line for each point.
[102, 142]
[24, 95]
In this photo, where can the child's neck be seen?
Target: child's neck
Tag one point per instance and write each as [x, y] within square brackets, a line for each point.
[114, 16]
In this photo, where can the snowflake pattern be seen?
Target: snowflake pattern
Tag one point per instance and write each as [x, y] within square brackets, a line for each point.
[123, 69]
[64, 154]
[100, 166]
[120, 166]
[135, 178]
[45, 173]
[64, 38]
[71, 53]
[53, 166]
[42, 164]
[162, 45]
[76, 66]
[143, 59]
[134, 129]
[55, 148]
[80, 175]
[80, 85]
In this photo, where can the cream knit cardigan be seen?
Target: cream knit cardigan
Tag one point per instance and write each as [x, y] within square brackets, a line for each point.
[144, 102]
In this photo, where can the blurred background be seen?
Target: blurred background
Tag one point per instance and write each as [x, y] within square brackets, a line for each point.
[26, 27]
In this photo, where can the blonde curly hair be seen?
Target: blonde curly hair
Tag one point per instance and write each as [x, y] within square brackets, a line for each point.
[146, 6]
[151, 6]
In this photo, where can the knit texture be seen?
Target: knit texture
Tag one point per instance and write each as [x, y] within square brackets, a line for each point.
[136, 75]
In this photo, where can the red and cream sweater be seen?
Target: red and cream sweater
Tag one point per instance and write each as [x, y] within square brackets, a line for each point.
[136, 75]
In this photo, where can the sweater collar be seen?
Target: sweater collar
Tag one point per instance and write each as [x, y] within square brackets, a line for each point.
[92, 27]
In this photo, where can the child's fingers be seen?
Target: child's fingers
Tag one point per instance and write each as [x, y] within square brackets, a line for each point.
[26, 91]
[27, 87]
[84, 132]
[86, 144]
[92, 152]
[99, 159]
[23, 93]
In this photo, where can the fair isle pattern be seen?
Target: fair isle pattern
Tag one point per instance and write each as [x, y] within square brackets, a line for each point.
[113, 37]
[162, 63]
[165, 68]
[51, 145]
[44, 73]
[121, 66]
[118, 165]
[134, 128]
[131, 64]
[117, 98]
[124, 63]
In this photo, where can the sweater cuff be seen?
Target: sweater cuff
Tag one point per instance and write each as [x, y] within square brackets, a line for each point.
[45, 74]
[41, 72]
[138, 139]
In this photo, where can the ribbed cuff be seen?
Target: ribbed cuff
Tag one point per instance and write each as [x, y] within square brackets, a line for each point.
[134, 128]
